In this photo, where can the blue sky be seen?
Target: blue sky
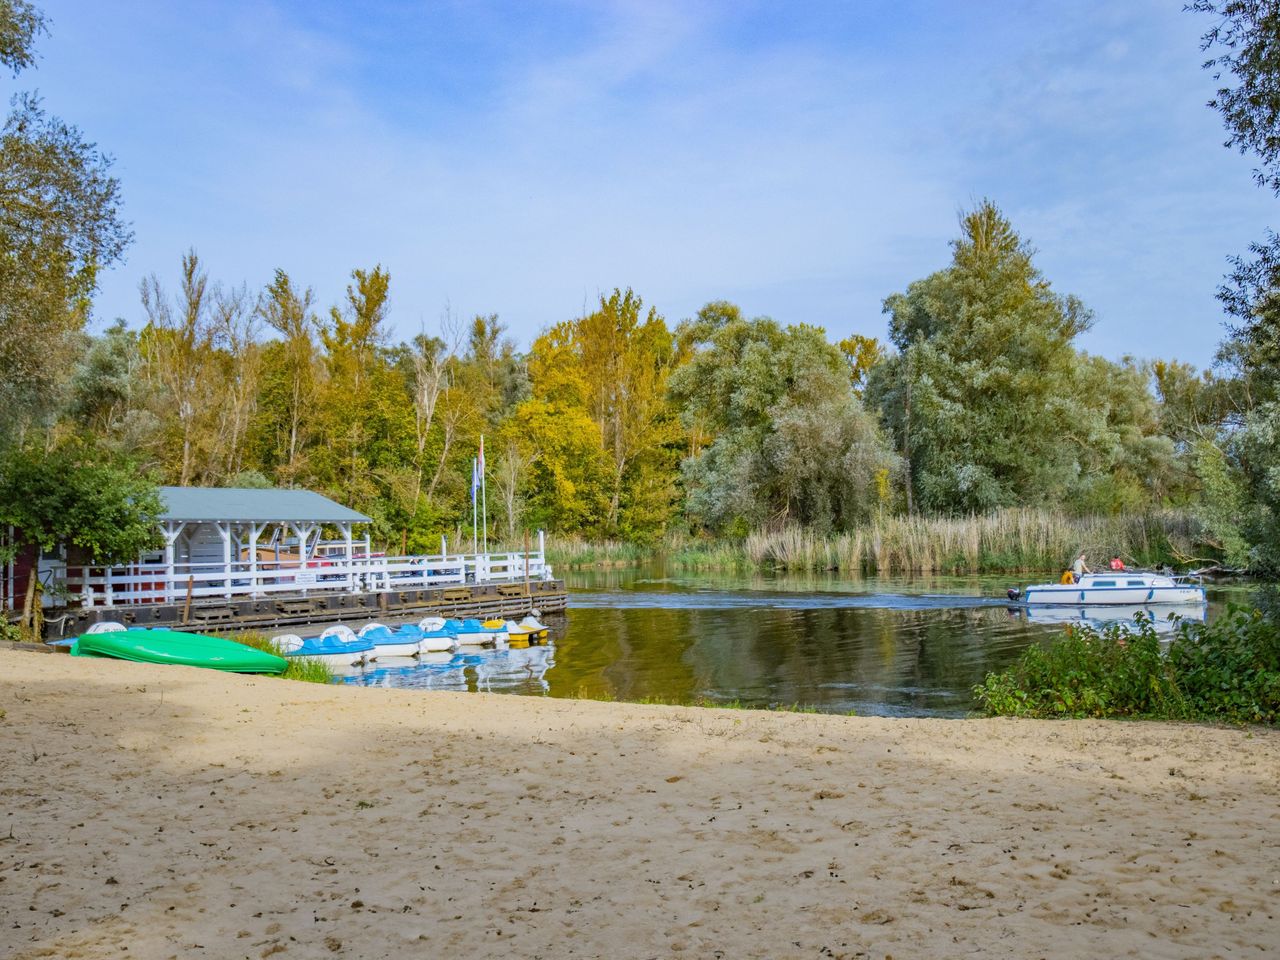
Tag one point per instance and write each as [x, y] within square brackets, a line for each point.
[804, 160]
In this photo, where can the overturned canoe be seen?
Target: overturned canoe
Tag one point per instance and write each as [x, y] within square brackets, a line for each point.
[172, 646]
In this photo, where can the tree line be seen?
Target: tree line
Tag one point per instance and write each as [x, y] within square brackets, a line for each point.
[616, 423]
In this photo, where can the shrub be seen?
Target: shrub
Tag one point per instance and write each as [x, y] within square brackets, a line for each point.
[1228, 670]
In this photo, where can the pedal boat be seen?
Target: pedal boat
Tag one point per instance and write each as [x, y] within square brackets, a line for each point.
[405, 642]
[336, 647]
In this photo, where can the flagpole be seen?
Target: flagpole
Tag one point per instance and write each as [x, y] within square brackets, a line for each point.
[484, 495]
[475, 540]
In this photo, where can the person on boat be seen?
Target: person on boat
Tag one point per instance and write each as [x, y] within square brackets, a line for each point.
[1067, 577]
[1079, 568]
[1117, 563]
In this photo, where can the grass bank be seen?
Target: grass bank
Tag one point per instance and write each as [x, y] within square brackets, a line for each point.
[306, 669]
[1003, 541]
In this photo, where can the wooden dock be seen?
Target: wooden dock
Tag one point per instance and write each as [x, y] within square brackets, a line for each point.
[278, 610]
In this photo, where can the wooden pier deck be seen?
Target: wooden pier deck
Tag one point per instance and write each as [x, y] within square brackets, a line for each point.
[277, 610]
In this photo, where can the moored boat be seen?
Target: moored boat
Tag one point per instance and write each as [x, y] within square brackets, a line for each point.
[336, 647]
[472, 633]
[1118, 587]
[404, 642]
[177, 648]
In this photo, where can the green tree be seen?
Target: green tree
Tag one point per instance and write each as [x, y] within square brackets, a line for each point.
[1246, 57]
[20, 22]
[613, 364]
[60, 226]
[364, 411]
[290, 377]
[791, 441]
[101, 507]
[980, 398]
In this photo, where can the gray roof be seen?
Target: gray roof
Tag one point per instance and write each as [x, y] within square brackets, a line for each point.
[257, 506]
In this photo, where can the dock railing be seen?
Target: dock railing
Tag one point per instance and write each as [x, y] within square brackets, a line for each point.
[90, 586]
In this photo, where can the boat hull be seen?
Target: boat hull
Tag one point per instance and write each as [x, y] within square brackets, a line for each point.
[390, 651]
[177, 648]
[1076, 595]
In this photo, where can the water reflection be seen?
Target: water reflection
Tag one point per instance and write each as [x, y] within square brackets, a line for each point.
[1164, 618]
[910, 647]
[498, 671]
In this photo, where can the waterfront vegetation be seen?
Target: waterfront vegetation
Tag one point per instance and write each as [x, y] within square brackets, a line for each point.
[1015, 539]
[306, 669]
[1227, 670]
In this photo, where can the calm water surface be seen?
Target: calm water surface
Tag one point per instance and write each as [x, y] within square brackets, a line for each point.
[902, 647]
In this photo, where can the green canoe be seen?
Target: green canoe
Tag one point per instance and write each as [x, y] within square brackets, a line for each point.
[171, 646]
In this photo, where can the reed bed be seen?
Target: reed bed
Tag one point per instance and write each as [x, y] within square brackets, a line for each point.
[1017, 539]
[575, 552]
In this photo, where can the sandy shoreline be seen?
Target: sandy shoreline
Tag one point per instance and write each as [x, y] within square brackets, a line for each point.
[180, 812]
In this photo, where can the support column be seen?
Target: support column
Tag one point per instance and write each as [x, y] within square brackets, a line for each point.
[350, 560]
[171, 533]
[255, 531]
[224, 531]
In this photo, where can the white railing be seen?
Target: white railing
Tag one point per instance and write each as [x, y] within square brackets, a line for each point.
[244, 579]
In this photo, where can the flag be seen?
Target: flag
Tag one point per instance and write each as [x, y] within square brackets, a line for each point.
[482, 454]
[475, 480]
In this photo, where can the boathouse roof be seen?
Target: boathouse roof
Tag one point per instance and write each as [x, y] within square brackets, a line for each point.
[245, 505]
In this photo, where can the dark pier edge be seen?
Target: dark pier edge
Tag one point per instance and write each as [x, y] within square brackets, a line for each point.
[505, 600]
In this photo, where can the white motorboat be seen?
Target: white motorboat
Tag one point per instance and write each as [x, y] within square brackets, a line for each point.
[1135, 588]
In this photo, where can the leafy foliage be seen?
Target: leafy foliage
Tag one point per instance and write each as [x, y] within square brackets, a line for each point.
[792, 443]
[988, 400]
[20, 22]
[1225, 670]
[105, 510]
[60, 226]
[1246, 39]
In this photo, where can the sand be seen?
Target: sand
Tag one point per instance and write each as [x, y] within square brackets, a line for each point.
[170, 812]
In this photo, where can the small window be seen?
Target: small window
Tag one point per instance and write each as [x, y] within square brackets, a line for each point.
[1136, 583]
[1104, 583]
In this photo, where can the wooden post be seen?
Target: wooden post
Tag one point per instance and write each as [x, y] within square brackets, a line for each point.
[186, 607]
[29, 603]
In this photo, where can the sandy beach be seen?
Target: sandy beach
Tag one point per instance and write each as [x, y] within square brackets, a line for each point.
[170, 812]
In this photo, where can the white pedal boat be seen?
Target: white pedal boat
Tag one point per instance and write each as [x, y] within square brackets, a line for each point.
[1136, 588]
[387, 644]
[336, 647]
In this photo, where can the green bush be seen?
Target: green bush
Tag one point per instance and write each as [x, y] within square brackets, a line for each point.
[1231, 669]
[1228, 670]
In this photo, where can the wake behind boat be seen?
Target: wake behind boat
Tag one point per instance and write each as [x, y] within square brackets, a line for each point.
[1115, 588]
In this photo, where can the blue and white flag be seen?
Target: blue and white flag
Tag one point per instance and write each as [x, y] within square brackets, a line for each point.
[475, 480]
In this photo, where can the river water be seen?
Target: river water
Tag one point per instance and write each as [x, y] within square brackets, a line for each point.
[897, 647]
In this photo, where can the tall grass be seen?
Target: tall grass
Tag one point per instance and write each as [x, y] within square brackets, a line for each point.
[1015, 539]
[576, 552]
[306, 669]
